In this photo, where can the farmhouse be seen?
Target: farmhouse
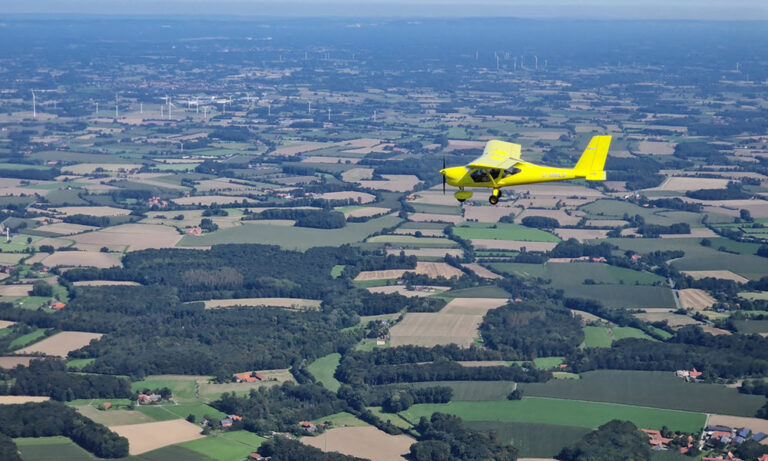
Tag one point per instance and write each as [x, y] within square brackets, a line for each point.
[310, 427]
[147, 399]
[248, 377]
[655, 439]
[693, 374]
[195, 230]
[58, 306]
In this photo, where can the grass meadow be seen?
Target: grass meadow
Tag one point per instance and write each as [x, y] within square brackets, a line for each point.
[561, 412]
[323, 368]
[658, 389]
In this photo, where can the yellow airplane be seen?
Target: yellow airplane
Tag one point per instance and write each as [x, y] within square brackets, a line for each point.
[501, 166]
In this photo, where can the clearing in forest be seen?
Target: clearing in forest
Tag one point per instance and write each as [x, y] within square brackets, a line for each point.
[290, 303]
[430, 329]
[61, 344]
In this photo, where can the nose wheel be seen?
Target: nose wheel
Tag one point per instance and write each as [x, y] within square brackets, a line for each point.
[495, 195]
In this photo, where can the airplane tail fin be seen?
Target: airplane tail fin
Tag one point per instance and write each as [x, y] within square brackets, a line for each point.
[592, 161]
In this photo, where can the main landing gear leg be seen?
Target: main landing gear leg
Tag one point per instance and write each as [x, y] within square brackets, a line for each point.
[494, 198]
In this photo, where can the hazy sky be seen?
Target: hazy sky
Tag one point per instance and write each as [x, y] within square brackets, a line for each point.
[596, 9]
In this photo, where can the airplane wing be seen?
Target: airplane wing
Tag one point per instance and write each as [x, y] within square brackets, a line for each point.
[498, 154]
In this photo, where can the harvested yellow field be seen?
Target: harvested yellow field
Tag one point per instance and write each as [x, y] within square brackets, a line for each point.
[560, 215]
[655, 148]
[431, 329]
[208, 200]
[431, 269]
[63, 228]
[151, 436]
[15, 290]
[555, 190]
[424, 232]
[714, 330]
[112, 417]
[88, 168]
[433, 196]
[357, 174]
[6, 324]
[392, 182]
[430, 217]
[380, 275]
[14, 361]
[418, 291]
[428, 252]
[82, 259]
[366, 212]
[723, 275]
[318, 159]
[674, 320]
[490, 214]
[481, 271]
[437, 270]
[696, 299]
[365, 442]
[586, 316]
[514, 245]
[457, 144]
[358, 197]
[606, 223]
[98, 211]
[298, 148]
[224, 186]
[581, 234]
[134, 236]
[291, 303]
[472, 306]
[61, 344]
[683, 184]
[18, 399]
[104, 283]
[755, 424]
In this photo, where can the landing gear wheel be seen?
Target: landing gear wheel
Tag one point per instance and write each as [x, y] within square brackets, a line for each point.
[495, 195]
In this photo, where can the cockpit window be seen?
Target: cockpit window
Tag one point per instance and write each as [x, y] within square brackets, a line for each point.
[511, 172]
[480, 175]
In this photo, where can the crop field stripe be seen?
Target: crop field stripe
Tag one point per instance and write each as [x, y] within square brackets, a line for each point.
[555, 411]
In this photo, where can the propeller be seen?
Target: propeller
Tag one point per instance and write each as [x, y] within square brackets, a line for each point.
[443, 175]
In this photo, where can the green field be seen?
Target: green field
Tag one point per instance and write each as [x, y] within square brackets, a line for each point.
[490, 291]
[410, 240]
[562, 412]
[199, 410]
[337, 270]
[503, 231]
[596, 337]
[751, 326]
[172, 452]
[342, 419]
[227, 446]
[76, 364]
[532, 440]
[183, 389]
[576, 273]
[51, 449]
[300, 238]
[323, 368]
[27, 339]
[547, 363]
[648, 389]
[603, 336]
[159, 412]
[696, 257]
[519, 269]
[470, 391]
